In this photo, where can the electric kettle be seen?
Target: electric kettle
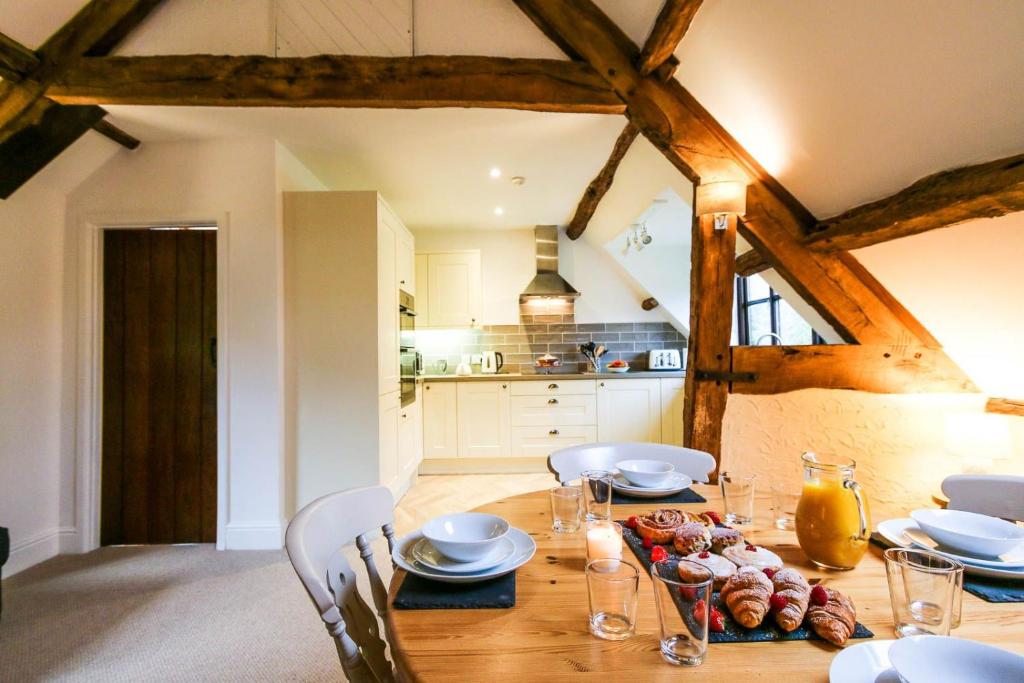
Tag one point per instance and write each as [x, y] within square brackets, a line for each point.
[492, 362]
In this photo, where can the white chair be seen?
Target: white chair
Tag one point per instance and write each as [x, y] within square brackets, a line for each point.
[314, 541]
[997, 495]
[568, 463]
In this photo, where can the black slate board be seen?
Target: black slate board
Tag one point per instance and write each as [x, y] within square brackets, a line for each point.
[684, 496]
[733, 633]
[419, 593]
[989, 590]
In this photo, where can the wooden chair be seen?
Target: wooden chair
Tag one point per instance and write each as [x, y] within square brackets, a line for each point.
[568, 463]
[997, 495]
[314, 541]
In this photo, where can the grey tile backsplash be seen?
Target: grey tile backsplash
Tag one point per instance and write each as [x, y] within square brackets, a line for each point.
[556, 334]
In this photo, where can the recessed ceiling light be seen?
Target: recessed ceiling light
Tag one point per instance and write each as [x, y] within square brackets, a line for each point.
[498, 211]
[495, 172]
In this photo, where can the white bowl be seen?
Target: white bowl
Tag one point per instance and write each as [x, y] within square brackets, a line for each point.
[924, 659]
[968, 531]
[646, 473]
[465, 536]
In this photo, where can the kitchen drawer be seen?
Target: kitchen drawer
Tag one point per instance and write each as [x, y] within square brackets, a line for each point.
[540, 442]
[551, 411]
[554, 387]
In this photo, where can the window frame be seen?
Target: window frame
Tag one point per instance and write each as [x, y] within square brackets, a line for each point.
[743, 306]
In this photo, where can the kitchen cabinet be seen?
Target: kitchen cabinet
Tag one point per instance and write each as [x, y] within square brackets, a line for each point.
[409, 449]
[388, 371]
[440, 420]
[540, 442]
[553, 411]
[406, 264]
[449, 289]
[629, 410]
[483, 419]
[672, 396]
[388, 439]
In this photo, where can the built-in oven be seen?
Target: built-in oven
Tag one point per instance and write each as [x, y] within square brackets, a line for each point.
[410, 360]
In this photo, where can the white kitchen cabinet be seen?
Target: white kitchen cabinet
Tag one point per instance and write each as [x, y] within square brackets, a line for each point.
[483, 419]
[406, 263]
[539, 442]
[440, 420]
[672, 398]
[448, 289]
[408, 442]
[629, 410]
[388, 439]
[553, 411]
[388, 371]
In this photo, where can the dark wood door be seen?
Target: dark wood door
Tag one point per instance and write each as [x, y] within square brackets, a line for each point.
[159, 451]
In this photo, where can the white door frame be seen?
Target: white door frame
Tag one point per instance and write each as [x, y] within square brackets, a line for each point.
[89, 411]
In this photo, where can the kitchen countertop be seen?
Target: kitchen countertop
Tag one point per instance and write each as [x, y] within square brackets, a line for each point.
[513, 377]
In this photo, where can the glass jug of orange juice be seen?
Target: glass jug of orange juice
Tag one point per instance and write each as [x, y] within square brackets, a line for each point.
[833, 523]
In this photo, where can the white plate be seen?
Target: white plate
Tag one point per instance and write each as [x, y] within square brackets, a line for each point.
[894, 531]
[864, 663]
[924, 659]
[1013, 560]
[680, 482]
[525, 548]
[971, 534]
[425, 553]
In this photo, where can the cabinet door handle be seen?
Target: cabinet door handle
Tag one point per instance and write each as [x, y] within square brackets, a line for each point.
[602, 384]
[552, 386]
[552, 401]
[404, 416]
[427, 387]
[553, 432]
[504, 386]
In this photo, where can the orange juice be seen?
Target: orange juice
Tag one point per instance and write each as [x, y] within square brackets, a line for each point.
[832, 519]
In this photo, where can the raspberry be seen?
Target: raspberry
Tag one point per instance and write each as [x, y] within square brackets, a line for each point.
[688, 592]
[778, 601]
[769, 572]
[752, 548]
[658, 554]
[648, 543]
[632, 521]
[819, 595]
[704, 555]
[714, 516]
[717, 623]
[700, 610]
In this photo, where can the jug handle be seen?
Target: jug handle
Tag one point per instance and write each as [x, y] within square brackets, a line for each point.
[858, 495]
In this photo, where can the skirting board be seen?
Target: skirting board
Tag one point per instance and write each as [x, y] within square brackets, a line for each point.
[37, 548]
[256, 536]
[483, 465]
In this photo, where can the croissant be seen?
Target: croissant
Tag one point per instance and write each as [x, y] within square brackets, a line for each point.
[660, 526]
[794, 587]
[835, 620]
[746, 594]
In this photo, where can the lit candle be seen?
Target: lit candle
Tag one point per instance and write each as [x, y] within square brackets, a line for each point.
[604, 540]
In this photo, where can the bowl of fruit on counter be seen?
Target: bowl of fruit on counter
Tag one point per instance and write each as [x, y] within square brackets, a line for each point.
[618, 366]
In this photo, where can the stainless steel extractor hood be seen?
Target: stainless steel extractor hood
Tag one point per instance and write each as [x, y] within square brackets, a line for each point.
[547, 284]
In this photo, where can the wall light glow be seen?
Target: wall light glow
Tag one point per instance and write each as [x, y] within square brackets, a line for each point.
[495, 172]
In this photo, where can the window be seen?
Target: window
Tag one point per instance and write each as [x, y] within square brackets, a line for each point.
[761, 313]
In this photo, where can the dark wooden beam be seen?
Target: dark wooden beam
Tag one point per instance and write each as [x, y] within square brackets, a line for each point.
[599, 186]
[649, 304]
[338, 81]
[109, 130]
[882, 369]
[1005, 406]
[983, 191]
[750, 263]
[669, 28]
[16, 60]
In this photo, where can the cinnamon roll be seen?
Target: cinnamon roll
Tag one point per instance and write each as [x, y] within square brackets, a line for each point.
[660, 526]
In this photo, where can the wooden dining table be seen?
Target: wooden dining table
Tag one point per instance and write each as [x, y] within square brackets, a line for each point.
[545, 636]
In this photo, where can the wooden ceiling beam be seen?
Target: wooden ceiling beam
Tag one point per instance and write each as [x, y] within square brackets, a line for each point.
[338, 81]
[109, 130]
[750, 263]
[669, 28]
[16, 60]
[1005, 406]
[601, 183]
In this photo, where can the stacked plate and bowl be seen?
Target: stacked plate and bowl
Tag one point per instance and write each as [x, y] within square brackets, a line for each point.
[466, 547]
[648, 479]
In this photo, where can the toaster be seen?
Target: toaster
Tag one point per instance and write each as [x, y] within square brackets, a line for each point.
[664, 359]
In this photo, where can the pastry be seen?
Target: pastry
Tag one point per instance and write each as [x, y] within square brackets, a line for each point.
[701, 517]
[796, 593]
[746, 595]
[660, 526]
[752, 556]
[722, 568]
[832, 615]
[722, 537]
[692, 537]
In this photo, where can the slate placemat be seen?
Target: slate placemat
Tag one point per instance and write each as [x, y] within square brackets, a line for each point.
[768, 631]
[989, 590]
[419, 593]
[684, 496]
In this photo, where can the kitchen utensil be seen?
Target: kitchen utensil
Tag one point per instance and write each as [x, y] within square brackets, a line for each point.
[441, 366]
[426, 554]
[465, 536]
[492, 362]
[600, 350]
[833, 523]
[647, 474]
[953, 660]
[664, 359]
[895, 531]
[463, 369]
[403, 558]
[864, 663]
[969, 532]
[678, 482]
[925, 591]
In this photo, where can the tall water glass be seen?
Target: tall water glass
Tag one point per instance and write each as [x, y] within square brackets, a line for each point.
[612, 586]
[684, 609]
[785, 498]
[926, 591]
[566, 509]
[597, 494]
[738, 495]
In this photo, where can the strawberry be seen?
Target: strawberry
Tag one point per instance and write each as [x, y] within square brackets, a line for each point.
[778, 601]
[769, 572]
[648, 543]
[717, 623]
[752, 548]
[714, 516]
[700, 610]
[704, 555]
[688, 592]
[819, 595]
[658, 554]
[632, 522]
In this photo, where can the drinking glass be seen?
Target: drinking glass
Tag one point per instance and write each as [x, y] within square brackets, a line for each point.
[566, 502]
[604, 540]
[612, 586]
[684, 609]
[738, 493]
[926, 591]
[784, 501]
[597, 494]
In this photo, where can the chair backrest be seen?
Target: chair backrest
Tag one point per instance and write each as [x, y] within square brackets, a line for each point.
[568, 463]
[314, 540]
[998, 495]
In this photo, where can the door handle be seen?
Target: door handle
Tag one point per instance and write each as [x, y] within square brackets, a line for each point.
[552, 401]
[213, 351]
[552, 386]
[553, 432]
